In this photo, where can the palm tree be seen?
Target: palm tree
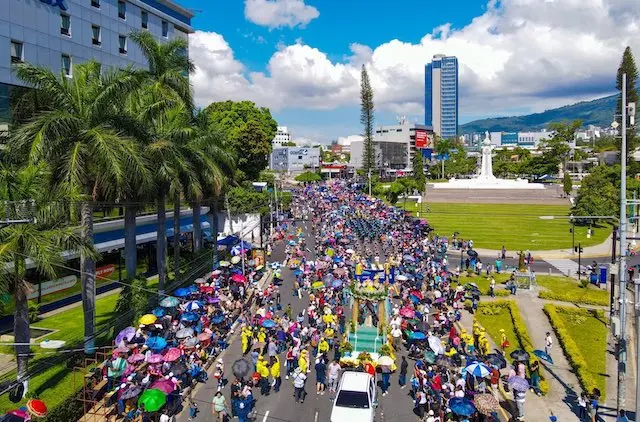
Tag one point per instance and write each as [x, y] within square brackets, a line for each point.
[74, 134]
[40, 243]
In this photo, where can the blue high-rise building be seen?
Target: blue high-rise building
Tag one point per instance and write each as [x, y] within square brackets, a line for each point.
[441, 95]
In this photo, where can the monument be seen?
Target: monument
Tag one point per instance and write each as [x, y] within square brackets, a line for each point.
[486, 179]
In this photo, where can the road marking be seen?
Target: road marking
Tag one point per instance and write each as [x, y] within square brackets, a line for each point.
[315, 418]
[266, 415]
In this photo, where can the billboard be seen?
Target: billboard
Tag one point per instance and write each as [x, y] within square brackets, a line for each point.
[421, 139]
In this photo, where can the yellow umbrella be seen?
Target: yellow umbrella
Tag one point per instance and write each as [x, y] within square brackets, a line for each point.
[317, 285]
[148, 319]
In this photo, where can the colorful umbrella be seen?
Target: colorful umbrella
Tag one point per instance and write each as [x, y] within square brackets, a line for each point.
[131, 393]
[182, 292]
[235, 260]
[436, 345]
[172, 354]
[385, 361]
[430, 357]
[418, 335]
[164, 385]
[190, 342]
[120, 349]
[317, 285]
[518, 383]
[37, 408]
[126, 335]
[478, 369]
[152, 399]
[169, 302]
[148, 319]
[194, 305]
[211, 299]
[217, 319]
[486, 403]
[135, 358]
[238, 278]
[544, 356]
[207, 289]
[407, 312]
[156, 343]
[204, 336]
[461, 406]
[155, 358]
[199, 281]
[268, 323]
[224, 263]
[185, 333]
[189, 316]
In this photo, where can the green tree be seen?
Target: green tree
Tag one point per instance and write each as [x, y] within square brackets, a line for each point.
[597, 194]
[567, 184]
[367, 118]
[628, 66]
[418, 171]
[309, 177]
[73, 134]
[557, 149]
[43, 241]
[241, 200]
[253, 148]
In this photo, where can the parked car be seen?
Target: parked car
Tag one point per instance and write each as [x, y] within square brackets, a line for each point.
[356, 398]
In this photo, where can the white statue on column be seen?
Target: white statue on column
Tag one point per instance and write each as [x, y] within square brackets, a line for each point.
[486, 168]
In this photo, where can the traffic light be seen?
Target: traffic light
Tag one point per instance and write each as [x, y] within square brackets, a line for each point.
[578, 249]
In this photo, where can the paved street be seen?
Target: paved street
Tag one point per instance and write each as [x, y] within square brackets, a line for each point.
[396, 406]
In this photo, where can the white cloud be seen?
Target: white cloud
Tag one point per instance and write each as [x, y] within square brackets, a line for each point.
[278, 13]
[520, 54]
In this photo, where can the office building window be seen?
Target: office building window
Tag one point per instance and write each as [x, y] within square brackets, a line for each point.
[96, 37]
[145, 19]
[95, 3]
[122, 9]
[65, 24]
[17, 52]
[122, 42]
[165, 29]
[66, 65]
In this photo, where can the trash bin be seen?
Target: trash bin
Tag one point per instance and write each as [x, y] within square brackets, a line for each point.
[603, 275]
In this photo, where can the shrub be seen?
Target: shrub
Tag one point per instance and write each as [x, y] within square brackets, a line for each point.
[385, 350]
[34, 311]
[346, 347]
[570, 348]
[573, 298]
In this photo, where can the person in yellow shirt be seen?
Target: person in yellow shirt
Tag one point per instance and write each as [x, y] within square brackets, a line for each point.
[323, 346]
[262, 335]
[275, 373]
[359, 270]
[246, 335]
[263, 370]
[303, 361]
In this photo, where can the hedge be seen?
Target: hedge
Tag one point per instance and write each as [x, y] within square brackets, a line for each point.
[521, 333]
[570, 348]
[573, 298]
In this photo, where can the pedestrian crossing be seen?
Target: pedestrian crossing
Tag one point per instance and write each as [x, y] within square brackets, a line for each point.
[565, 266]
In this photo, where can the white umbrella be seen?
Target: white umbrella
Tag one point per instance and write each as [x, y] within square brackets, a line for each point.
[402, 278]
[436, 345]
[200, 281]
[385, 361]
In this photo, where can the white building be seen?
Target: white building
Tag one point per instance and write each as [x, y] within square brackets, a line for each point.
[295, 159]
[282, 137]
[394, 146]
[529, 140]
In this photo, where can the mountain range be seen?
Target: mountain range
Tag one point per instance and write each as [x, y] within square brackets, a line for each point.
[597, 112]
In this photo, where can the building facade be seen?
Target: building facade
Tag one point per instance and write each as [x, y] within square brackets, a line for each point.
[441, 95]
[295, 159]
[59, 34]
[394, 146]
[282, 137]
[529, 140]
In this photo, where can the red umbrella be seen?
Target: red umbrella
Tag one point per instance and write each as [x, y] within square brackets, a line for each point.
[172, 354]
[417, 294]
[238, 278]
[407, 312]
[207, 289]
[204, 336]
[164, 385]
[37, 408]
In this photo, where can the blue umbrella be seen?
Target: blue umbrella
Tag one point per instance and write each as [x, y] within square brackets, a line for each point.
[189, 316]
[193, 288]
[182, 292]
[336, 283]
[267, 323]
[297, 272]
[292, 243]
[462, 406]
[544, 356]
[194, 305]
[217, 319]
[418, 335]
[156, 343]
[478, 369]
[414, 298]
[337, 259]
[169, 302]
[159, 312]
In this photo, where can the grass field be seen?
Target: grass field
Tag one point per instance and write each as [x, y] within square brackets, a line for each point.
[496, 319]
[517, 227]
[590, 336]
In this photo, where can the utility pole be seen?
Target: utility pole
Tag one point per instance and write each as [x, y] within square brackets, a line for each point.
[622, 267]
[579, 249]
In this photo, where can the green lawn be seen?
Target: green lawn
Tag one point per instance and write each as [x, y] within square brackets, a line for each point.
[569, 290]
[590, 335]
[56, 384]
[494, 318]
[516, 226]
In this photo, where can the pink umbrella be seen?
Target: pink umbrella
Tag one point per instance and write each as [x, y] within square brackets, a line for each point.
[119, 350]
[238, 278]
[204, 336]
[155, 358]
[20, 413]
[407, 312]
[164, 385]
[172, 354]
[136, 357]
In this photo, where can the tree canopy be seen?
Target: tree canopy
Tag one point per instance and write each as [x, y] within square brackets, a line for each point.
[308, 177]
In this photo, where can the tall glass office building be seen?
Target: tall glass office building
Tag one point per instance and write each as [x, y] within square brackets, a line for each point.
[441, 95]
[60, 34]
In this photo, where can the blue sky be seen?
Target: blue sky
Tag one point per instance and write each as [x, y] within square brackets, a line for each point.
[301, 58]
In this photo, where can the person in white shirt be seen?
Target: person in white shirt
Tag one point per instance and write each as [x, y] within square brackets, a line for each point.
[548, 343]
[334, 374]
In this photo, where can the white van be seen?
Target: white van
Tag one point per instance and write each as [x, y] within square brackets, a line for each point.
[356, 398]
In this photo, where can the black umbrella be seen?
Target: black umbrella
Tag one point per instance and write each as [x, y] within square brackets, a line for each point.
[496, 360]
[241, 368]
[519, 355]
[472, 253]
[178, 368]
[11, 418]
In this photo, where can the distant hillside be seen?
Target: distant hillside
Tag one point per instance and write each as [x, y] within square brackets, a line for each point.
[597, 112]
